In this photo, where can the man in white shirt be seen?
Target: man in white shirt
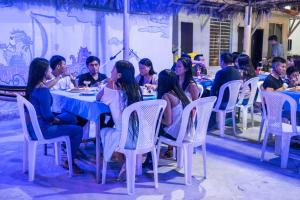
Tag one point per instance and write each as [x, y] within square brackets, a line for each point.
[59, 71]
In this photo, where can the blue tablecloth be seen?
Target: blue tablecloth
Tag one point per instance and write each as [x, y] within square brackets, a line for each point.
[295, 95]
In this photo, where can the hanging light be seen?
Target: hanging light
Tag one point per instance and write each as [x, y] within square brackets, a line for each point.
[288, 7]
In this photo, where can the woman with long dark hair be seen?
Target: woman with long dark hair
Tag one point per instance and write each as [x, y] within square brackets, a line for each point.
[184, 73]
[121, 91]
[247, 72]
[147, 76]
[51, 126]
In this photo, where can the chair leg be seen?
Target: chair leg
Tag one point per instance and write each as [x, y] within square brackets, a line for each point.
[158, 149]
[204, 158]
[45, 150]
[252, 115]
[139, 160]
[285, 147]
[245, 113]
[69, 154]
[130, 171]
[154, 163]
[57, 149]
[32, 159]
[180, 158]
[188, 153]
[221, 119]
[264, 146]
[262, 124]
[25, 156]
[104, 168]
[233, 122]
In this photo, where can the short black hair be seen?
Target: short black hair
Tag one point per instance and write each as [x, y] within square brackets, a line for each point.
[277, 60]
[226, 57]
[184, 55]
[235, 55]
[92, 59]
[291, 70]
[55, 60]
[273, 37]
[197, 57]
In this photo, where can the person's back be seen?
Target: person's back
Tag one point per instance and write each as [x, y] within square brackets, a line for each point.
[226, 74]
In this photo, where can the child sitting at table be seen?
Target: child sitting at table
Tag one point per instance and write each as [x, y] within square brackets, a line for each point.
[292, 77]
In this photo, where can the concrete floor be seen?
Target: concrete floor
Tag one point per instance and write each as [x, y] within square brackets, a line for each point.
[234, 171]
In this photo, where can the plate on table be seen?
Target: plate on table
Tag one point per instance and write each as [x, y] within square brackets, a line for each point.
[76, 90]
[293, 89]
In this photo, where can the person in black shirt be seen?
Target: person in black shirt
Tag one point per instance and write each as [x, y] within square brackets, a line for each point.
[226, 74]
[273, 82]
[93, 64]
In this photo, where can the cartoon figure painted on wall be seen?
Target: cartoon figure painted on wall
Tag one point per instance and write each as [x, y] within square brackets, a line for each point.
[17, 53]
[78, 64]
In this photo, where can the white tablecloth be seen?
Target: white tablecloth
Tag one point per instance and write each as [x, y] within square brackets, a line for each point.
[84, 106]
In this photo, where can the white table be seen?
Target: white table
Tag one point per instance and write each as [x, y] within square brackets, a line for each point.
[83, 106]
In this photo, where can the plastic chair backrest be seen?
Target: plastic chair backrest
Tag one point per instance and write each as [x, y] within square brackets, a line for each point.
[149, 115]
[203, 107]
[263, 104]
[201, 90]
[22, 104]
[252, 84]
[274, 102]
[234, 89]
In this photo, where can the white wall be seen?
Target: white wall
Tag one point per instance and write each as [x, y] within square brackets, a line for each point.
[201, 31]
[295, 37]
[76, 34]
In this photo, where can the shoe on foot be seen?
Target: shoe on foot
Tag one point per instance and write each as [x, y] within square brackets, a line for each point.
[76, 169]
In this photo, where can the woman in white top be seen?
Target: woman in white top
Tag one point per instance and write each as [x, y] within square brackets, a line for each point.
[184, 73]
[121, 90]
[147, 76]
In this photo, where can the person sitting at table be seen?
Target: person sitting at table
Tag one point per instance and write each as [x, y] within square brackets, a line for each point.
[51, 125]
[226, 74]
[147, 76]
[93, 76]
[235, 56]
[184, 74]
[292, 77]
[247, 71]
[273, 82]
[59, 69]
[199, 65]
[121, 91]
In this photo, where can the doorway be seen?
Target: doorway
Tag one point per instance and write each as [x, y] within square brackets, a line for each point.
[256, 44]
[186, 37]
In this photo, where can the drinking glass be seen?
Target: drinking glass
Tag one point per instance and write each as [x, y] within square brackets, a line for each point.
[86, 83]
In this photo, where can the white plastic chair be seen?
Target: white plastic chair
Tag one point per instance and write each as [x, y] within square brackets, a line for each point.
[234, 89]
[275, 102]
[264, 111]
[149, 117]
[29, 155]
[186, 144]
[252, 84]
[201, 90]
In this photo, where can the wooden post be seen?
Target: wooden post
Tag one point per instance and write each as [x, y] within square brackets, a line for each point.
[126, 30]
[247, 30]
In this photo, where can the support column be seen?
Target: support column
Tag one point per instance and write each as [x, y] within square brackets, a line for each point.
[247, 30]
[126, 30]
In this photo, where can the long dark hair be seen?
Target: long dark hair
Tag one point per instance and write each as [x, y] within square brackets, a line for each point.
[188, 76]
[127, 81]
[167, 82]
[37, 70]
[147, 62]
[133, 94]
[245, 64]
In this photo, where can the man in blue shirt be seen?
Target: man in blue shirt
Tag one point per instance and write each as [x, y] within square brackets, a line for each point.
[277, 48]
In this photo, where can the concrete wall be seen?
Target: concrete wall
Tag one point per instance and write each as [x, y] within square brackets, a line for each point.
[295, 37]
